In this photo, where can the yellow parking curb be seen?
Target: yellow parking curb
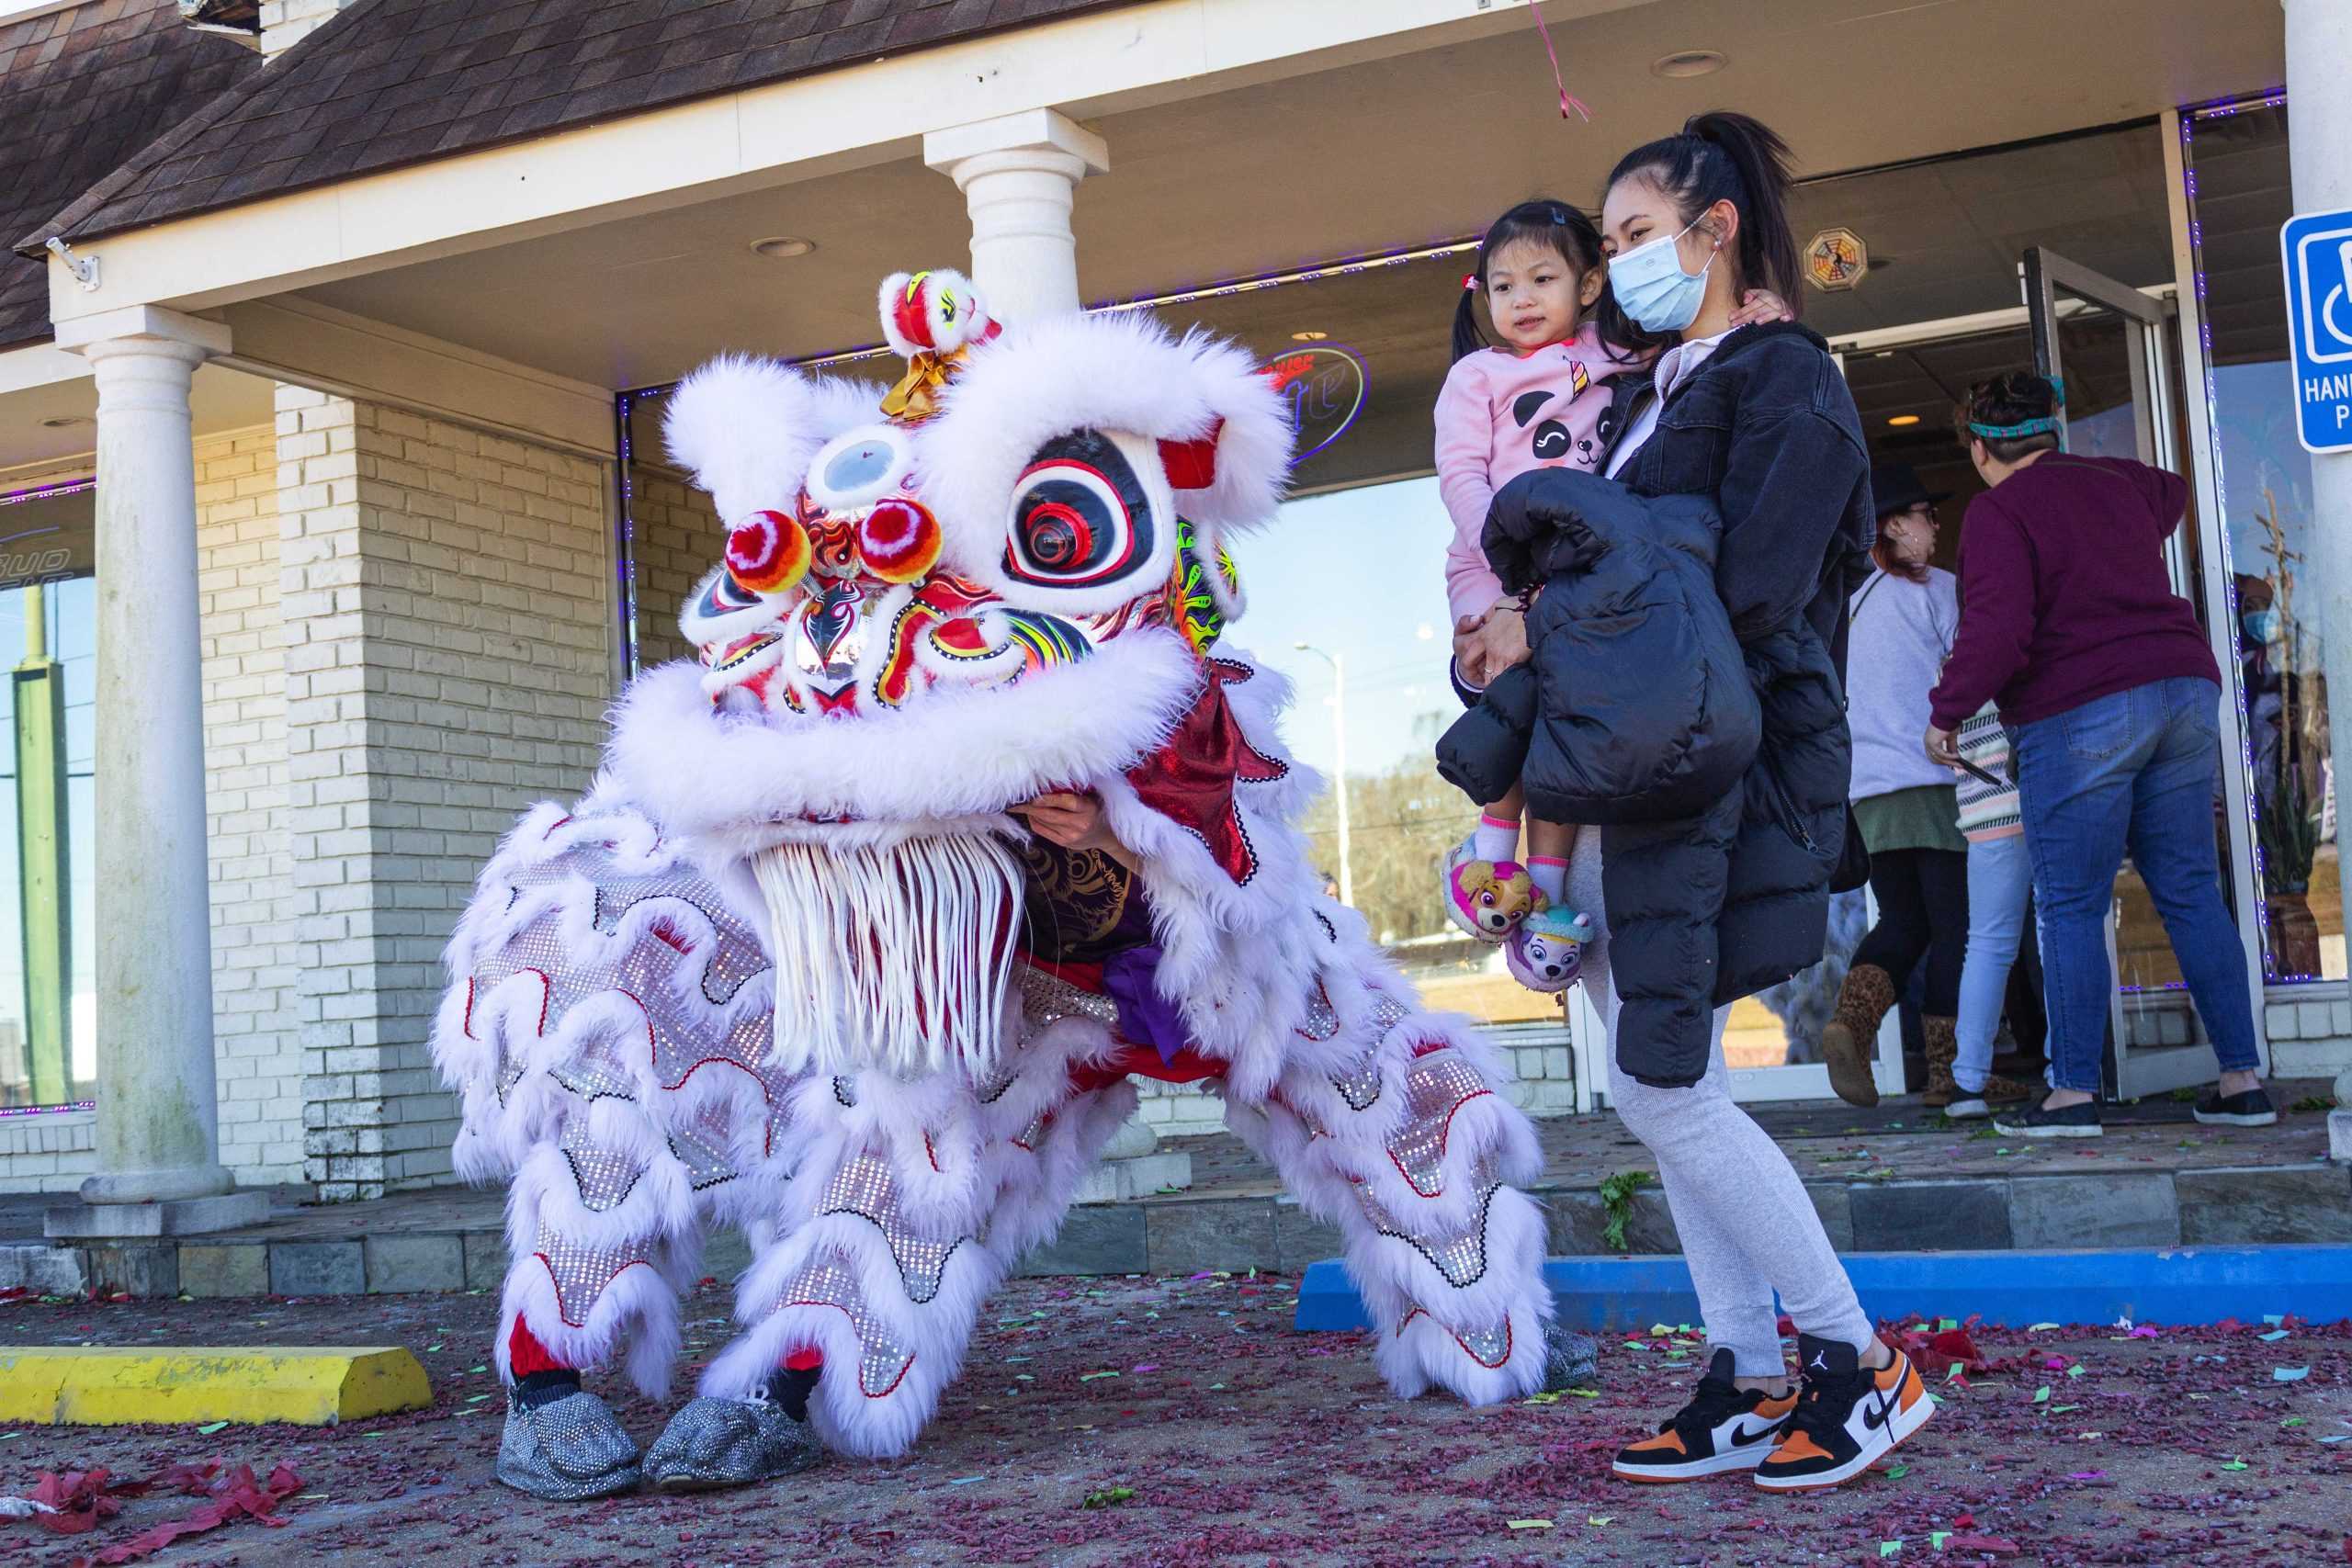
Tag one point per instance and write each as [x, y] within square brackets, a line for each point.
[309, 1385]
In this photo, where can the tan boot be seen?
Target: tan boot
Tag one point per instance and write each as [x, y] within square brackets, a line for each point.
[1850, 1038]
[1943, 1050]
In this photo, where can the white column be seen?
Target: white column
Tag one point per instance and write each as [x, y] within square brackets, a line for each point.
[159, 1166]
[2319, 140]
[1019, 175]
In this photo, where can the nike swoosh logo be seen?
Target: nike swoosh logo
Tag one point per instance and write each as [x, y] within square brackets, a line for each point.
[1878, 1416]
[1740, 1439]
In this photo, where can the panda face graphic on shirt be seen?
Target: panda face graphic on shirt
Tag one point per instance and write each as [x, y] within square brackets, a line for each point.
[1548, 439]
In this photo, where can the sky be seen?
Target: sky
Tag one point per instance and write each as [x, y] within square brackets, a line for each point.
[1359, 574]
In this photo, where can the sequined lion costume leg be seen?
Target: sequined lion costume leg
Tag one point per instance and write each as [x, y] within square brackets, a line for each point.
[798, 964]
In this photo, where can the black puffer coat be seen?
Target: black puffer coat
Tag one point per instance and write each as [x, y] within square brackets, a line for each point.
[1707, 910]
[1634, 705]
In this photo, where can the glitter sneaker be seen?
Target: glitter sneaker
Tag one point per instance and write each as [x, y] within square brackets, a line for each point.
[714, 1442]
[1571, 1359]
[566, 1448]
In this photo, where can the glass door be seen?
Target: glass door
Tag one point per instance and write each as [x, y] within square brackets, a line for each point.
[2117, 349]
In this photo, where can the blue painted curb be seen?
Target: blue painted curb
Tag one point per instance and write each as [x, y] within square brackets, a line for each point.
[2170, 1285]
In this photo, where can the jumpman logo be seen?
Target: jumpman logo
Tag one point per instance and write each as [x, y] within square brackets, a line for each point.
[1820, 1361]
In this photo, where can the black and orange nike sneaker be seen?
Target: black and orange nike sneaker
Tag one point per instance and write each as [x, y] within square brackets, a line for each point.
[1848, 1417]
[1725, 1428]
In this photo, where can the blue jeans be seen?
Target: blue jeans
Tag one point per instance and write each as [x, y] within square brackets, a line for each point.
[1999, 877]
[2135, 769]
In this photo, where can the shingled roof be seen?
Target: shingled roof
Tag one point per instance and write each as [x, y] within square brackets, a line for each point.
[394, 81]
[81, 90]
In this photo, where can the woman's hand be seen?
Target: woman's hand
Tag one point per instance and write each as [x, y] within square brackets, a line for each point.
[1761, 305]
[1501, 641]
[1075, 822]
[1466, 661]
[1943, 746]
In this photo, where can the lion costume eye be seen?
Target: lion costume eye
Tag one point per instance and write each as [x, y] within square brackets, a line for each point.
[1080, 518]
[858, 467]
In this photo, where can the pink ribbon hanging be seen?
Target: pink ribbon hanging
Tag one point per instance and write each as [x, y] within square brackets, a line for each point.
[1570, 102]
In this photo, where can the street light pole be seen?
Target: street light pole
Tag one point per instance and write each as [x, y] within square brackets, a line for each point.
[1340, 760]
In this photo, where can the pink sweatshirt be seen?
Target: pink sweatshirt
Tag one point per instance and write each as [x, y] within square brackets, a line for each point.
[1502, 413]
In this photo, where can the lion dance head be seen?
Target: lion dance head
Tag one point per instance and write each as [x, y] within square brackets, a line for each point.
[1003, 577]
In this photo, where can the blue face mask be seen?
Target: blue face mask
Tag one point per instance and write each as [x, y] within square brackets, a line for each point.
[1653, 289]
[2262, 626]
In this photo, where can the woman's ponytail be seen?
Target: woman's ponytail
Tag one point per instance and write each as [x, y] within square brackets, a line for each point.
[1768, 247]
[1722, 157]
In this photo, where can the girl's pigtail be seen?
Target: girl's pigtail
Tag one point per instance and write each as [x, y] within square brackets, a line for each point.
[1467, 339]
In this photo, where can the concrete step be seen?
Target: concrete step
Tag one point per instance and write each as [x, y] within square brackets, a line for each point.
[2259, 1205]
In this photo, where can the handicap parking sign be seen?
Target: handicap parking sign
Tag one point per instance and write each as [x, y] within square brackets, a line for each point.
[2318, 250]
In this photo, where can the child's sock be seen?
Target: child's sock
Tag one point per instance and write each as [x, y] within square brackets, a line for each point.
[1497, 838]
[1550, 876]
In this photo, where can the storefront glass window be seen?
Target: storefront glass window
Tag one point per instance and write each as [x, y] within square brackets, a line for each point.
[48, 924]
[2239, 195]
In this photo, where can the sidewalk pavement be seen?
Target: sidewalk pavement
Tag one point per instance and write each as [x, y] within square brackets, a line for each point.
[1239, 1441]
[1896, 1179]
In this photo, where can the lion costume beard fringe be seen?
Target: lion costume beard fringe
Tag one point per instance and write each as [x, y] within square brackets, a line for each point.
[768, 973]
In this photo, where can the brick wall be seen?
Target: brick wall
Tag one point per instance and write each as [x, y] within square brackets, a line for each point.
[256, 959]
[448, 662]
[678, 539]
[2309, 1028]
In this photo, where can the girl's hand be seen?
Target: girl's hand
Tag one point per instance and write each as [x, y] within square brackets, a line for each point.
[1075, 822]
[1760, 305]
[1502, 640]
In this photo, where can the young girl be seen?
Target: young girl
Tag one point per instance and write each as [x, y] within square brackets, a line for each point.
[1537, 399]
[1542, 398]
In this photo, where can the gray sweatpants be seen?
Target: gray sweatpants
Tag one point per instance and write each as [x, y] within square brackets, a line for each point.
[1747, 1226]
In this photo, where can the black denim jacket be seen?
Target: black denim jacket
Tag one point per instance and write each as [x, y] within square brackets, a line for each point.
[1767, 428]
[1704, 911]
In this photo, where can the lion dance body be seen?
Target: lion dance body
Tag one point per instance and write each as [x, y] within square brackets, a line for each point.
[793, 965]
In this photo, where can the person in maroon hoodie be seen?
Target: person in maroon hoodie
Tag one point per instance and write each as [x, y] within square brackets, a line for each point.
[2109, 691]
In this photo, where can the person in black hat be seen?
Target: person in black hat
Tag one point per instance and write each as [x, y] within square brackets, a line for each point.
[1902, 624]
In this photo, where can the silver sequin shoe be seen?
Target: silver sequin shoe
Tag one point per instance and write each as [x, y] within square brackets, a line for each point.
[713, 1443]
[566, 1449]
[1570, 1360]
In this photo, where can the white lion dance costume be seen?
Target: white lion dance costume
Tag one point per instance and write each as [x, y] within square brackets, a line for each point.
[794, 965]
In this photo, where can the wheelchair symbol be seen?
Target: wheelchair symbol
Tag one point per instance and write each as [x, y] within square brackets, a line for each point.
[2326, 301]
[2336, 297]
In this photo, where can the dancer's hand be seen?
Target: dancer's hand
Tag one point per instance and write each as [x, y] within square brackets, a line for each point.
[1075, 822]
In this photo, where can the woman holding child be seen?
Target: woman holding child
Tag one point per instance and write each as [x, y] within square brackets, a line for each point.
[1704, 734]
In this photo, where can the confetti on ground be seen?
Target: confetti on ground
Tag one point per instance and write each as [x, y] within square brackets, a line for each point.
[1003, 1479]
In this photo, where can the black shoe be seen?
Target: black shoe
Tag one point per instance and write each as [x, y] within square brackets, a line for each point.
[2252, 1109]
[1724, 1428]
[2035, 1121]
[1848, 1417]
